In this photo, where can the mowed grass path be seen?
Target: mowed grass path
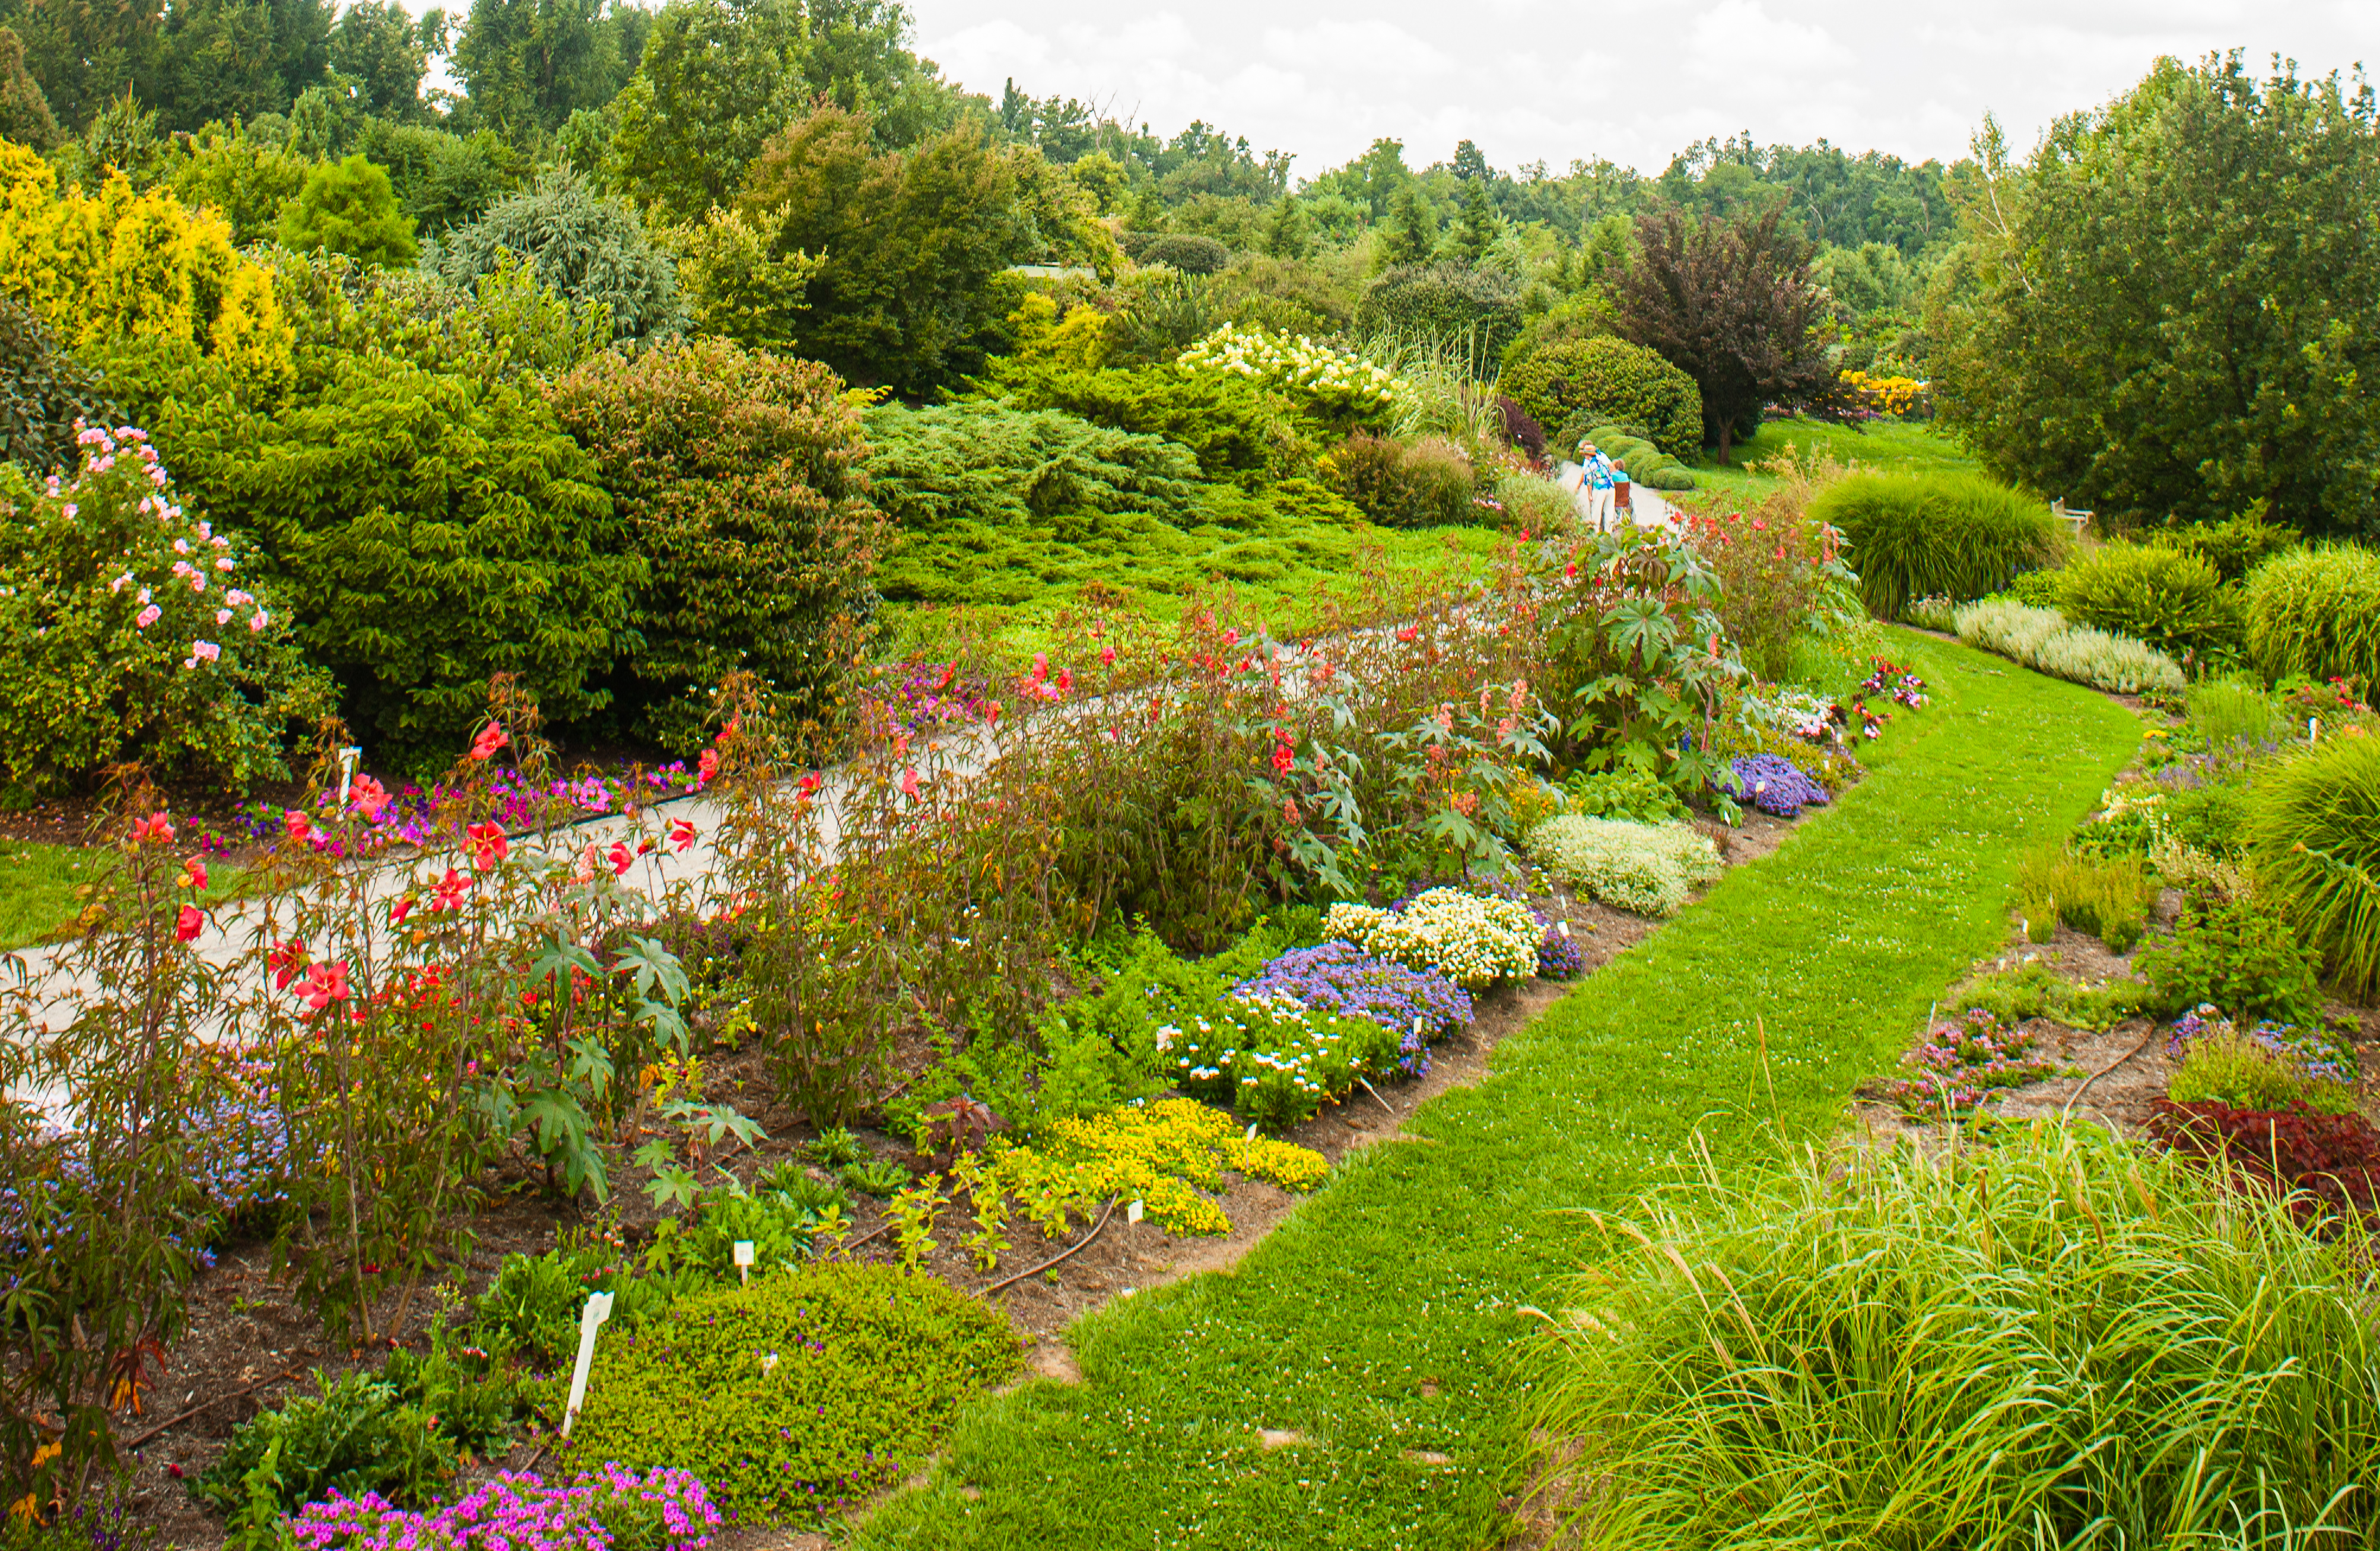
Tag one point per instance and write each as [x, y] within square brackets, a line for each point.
[1384, 1321]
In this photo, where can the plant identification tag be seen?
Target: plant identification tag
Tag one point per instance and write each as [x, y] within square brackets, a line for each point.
[1133, 1212]
[1564, 928]
[742, 1249]
[597, 1310]
[349, 758]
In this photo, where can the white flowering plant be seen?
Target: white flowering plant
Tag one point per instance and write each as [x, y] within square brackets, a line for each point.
[1336, 386]
[1473, 940]
[1273, 1058]
[133, 633]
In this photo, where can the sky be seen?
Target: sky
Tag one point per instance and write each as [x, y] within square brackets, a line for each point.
[1631, 80]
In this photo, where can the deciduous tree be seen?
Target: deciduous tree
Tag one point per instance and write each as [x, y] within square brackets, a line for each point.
[1732, 305]
[2174, 308]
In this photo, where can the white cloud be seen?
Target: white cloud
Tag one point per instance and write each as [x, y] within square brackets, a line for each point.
[1632, 81]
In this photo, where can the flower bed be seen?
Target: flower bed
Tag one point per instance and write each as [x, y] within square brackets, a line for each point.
[1473, 941]
[610, 1509]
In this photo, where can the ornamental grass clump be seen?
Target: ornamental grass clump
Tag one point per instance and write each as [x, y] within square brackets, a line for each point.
[1649, 868]
[2316, 613]
[1910, 535]
[2313, 830]
[1472, 940]
[2055, 1340]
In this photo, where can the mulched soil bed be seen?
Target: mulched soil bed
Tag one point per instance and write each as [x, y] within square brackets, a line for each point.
[249, 1348]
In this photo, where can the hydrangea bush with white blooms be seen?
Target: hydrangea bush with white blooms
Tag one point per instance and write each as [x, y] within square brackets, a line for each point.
[1337, 385]
[1473, 941]
[132, 633]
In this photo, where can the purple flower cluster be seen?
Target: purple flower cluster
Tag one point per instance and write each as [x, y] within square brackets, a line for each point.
[1558, 957]
[612, 1509]
[1959, 1066]
[2301, 1050]
[1340, 978]
[1772, 784]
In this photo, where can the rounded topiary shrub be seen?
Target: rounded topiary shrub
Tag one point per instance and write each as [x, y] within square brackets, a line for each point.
[1476, 309]
[2172, 599]
[735, 474]
[1611, 380]
[1955, 536]
[2316, 613]
[2314, 827]
[1187, 252]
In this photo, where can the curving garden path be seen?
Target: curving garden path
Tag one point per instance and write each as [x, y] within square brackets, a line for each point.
[1362, 1378]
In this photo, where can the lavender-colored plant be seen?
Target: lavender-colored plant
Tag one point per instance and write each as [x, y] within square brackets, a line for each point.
[1772, 784]
[1416, 1005]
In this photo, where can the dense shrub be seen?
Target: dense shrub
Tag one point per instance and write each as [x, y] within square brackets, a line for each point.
[2314, 827]
[1187, 252]
[1772, 567]
[1611, 380]
[43, 392]
[1477, 311]
[2172, 601]
[797, 1394]
[348, 207]
[1649, 868]
[2108, 897]
[1915, 535]
[1233, 426]
[2317, 613]
[1399, 486]
[1335, 386]
[130, 633]
[592, 249]
[736, 476]
[2041, 638]
[1521, 431]
[426, 530]
[2115, 1351]
[2241, 956]
[2234, 546]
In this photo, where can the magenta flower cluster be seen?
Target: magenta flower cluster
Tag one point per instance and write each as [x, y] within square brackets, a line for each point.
[1959, 1066]
[407, 815]
[610, 1509]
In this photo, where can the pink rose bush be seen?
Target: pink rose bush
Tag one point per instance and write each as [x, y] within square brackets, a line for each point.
[131, 633]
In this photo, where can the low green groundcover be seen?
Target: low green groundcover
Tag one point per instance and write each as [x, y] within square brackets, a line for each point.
[795, 1396]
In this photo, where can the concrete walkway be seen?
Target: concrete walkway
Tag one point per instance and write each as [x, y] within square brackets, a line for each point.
[1645, 506]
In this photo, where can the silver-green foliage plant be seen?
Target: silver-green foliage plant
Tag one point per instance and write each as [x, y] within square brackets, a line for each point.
[1649, 868]
[2041, 638]
[2316, 613]
[2054, 1340]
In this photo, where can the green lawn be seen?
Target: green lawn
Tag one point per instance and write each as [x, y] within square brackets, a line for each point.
[37, 889]
[1893, 447]
[1386, 1320]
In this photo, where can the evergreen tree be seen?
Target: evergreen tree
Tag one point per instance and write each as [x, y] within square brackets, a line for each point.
[1288, 233]
[348, 206]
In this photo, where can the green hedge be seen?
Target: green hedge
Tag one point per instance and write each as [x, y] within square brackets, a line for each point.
[1957, 536]
[1612, 380]
[2316, 613]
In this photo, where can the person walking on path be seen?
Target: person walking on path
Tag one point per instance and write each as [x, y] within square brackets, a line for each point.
[1596, 478]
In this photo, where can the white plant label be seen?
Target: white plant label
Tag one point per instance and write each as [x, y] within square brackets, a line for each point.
[1564, 928]
[349, 758]
[742, 1249]
[597, 1310]
[1131, 1212]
